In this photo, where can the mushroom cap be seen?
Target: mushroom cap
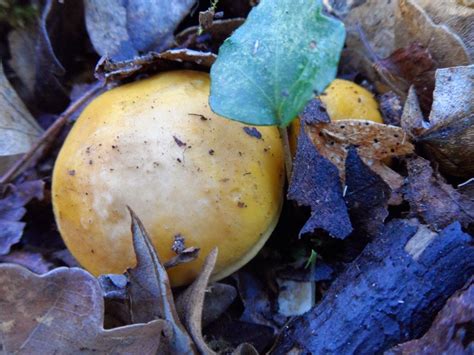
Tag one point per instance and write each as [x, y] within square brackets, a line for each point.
[345, 99]
[156, 146]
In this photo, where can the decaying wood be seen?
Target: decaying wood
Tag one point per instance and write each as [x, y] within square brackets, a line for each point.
[451, 332]
[388, 295]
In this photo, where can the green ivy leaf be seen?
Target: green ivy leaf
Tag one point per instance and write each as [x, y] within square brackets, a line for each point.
[273, 64]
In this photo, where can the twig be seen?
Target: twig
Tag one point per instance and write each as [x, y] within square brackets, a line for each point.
[287, 152]
[24, 162]
[375, 59]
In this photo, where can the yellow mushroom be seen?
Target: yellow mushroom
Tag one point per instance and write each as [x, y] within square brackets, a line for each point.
[156, 146]
[343, 100]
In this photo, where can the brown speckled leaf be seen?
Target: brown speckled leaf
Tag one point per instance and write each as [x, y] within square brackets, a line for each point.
[375, 142]
[62, 312]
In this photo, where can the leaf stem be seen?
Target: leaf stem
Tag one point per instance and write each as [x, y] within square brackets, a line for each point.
[287, 152]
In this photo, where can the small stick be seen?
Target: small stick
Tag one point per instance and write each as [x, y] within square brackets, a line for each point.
[287, 152]
[22, 163]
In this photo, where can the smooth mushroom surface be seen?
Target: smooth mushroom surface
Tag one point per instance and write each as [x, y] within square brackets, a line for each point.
[156, 146]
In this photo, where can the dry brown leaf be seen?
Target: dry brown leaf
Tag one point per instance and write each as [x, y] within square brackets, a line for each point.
[452, 95]
[376, 19]
[170, 59]
[454, 14]
[414, 24]
[212, 39]
[150, 292]
[375, 142]
[449, 135]
[376, 29]
[18, 129]
[410, 66]
[190, 303]
[412, 120]
[61, 312]
[185, 256]
[434, 201]
[218, 298]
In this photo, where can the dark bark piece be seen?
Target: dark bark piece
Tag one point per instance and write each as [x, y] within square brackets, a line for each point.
[452, 331]
[314, 112]
[366, 195]
[387, 295]
[315, 182]
[432, 199]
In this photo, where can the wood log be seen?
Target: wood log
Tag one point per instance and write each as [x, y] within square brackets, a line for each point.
[452, 331]
[388, 295]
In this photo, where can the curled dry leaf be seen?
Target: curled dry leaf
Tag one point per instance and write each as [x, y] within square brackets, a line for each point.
[377, 29]
[62, 312]
[375, 142]
[191, 303]
[37, 51]
[33, 261]
[450, 332]
[315, 183]
[414, 24]
[149, 291]
[18, 129]
[218, 298]
[455, 14]
[450, 138]
[212, 38]
[432, 199]
[110, 71]
[185, 256]
[409, 66]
